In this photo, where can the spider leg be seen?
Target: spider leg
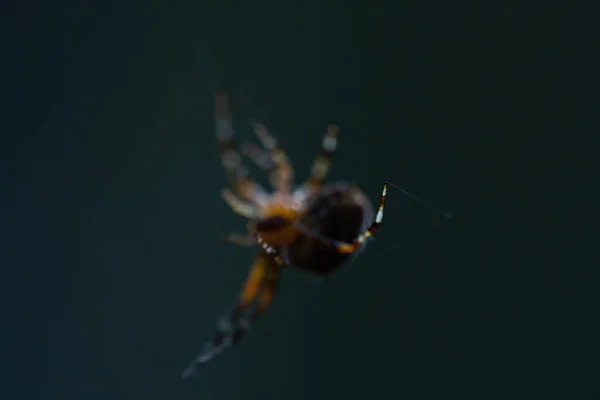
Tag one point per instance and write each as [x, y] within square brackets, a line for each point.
[239, 206]
[350, 247]
[240, 239]
[230, 156]
[263, 300]
[321, 165]
[264, 160]
[259, 286]
[261, 157]
[283, 174]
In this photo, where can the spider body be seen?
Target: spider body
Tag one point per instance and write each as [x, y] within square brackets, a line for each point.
[315, 226]
[338, 211]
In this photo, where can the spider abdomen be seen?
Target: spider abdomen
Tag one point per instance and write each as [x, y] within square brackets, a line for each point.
[339, 212]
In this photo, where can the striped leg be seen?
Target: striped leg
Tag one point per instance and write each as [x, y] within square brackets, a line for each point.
[263, 299]
[239, 206]
[240, 239]
[268, 291]
[322, 163]
[256, 295]
[350, 247]
[230, 157]
[283, 174]
[259, 156]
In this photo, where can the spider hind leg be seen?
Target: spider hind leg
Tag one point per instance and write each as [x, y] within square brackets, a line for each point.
[256, 296]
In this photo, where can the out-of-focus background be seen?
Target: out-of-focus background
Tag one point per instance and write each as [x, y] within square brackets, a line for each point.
[115, 270]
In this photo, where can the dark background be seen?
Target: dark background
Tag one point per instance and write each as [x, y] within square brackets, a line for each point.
[115, 269]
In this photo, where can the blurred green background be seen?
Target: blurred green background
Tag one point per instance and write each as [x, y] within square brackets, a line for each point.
[120, 267]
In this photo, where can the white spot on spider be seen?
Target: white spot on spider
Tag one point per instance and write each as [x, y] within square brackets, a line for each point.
[329, 143]
[206, 356]
[296, 205]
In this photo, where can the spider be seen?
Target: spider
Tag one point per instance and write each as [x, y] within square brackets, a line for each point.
[315, 227]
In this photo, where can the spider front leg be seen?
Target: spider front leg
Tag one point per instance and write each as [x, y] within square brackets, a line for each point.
[231, 159]
[282, 175]
[260, 156]
[239, 206]
[322, 163]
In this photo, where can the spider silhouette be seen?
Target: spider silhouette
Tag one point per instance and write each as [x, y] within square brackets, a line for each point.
[315, 226]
